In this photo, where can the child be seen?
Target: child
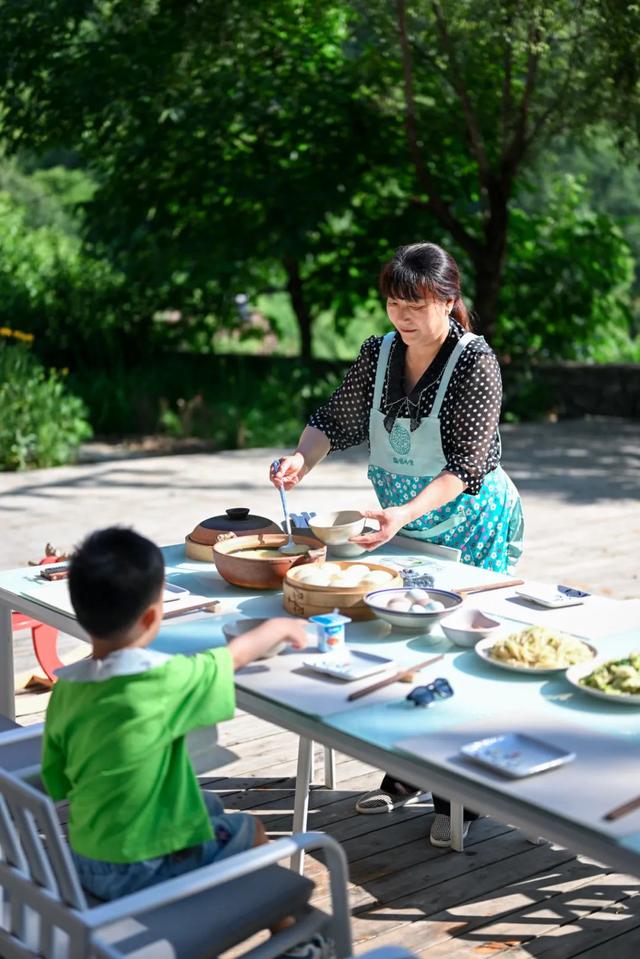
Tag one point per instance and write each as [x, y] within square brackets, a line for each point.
[114, 740]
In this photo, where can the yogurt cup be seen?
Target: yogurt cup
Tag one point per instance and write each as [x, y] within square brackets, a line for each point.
[330, 631]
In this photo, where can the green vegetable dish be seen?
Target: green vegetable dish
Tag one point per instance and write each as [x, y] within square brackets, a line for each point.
[618, 677]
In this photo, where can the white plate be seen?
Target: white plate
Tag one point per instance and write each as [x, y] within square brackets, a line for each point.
[580, 670]
[484, 645]
[349, 665]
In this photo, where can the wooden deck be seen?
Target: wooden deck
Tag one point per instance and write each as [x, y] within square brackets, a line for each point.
[502, 896]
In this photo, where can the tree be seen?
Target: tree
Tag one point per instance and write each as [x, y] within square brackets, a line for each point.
[221, 135]
[289, 144]
[486, 88]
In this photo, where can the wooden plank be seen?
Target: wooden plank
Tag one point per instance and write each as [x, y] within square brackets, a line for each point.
[464, 903]
[575, 915]
[625, 946]
[602, 916]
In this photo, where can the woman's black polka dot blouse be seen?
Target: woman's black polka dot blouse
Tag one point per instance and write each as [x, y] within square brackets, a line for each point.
[468, 417]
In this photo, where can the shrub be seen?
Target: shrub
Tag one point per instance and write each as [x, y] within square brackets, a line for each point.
[41, 423]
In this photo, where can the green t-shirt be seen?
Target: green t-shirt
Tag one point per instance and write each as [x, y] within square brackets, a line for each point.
[114, 746]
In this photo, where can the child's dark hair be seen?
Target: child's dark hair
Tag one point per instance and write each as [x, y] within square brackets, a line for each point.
[114, 575]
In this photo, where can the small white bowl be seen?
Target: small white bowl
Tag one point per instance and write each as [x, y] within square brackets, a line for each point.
[337, 528]
[418, 622]
[467, 626]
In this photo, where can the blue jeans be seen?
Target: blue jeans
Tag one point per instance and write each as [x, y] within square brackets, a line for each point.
[233, 832]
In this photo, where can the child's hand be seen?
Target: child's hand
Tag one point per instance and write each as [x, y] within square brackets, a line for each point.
[283, 629]
[256, 642]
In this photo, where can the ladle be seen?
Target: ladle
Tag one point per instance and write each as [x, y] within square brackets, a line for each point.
[289, 547]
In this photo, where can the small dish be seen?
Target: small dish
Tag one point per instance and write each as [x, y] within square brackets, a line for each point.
[349, 664]
[580, 670]
[241, 626]
[418, 622]
[484, 646]
[516, 755]
[466, 626]
[336, 529]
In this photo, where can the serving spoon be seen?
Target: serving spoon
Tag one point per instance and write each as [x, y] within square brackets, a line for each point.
[289, 547]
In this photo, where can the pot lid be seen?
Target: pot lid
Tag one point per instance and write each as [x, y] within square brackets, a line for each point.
[237, 520]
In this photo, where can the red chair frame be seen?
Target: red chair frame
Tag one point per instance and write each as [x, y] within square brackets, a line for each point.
[45, 643]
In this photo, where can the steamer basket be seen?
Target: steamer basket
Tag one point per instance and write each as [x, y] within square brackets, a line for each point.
[305, 600]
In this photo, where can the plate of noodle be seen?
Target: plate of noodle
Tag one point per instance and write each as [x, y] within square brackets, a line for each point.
[535, 649]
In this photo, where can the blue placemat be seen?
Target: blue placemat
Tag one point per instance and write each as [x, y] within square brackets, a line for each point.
[191, 636]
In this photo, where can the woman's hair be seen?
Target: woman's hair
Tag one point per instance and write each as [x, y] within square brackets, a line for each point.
[421, 269]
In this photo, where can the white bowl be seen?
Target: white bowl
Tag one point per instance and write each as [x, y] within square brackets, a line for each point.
[418, 622]
[337, 528]
[467, 626]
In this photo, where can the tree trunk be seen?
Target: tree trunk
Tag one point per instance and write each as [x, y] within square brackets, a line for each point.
[489, 264]
[295, 289]
[488, 280]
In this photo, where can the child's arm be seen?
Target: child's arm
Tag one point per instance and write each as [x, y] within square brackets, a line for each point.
[244, 649]
[200, 689]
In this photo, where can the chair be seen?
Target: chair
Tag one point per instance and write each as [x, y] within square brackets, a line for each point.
[21, 746]
[20, 749]
[45, 913]
[45, 643]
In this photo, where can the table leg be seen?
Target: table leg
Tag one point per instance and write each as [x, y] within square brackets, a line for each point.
[329, 767]
[457, 814]
[301, 801]
[7, 678]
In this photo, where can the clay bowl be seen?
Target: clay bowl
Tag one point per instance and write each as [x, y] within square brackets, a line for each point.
[254, 573]
[237, 520]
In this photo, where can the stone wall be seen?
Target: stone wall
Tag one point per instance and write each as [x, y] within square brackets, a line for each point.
[572, 390]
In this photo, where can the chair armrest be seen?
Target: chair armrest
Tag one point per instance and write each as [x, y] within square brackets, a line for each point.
[207, 877]
[12, 736]
[23, 736]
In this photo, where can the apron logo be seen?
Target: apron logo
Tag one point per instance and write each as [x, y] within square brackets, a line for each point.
[400, 439]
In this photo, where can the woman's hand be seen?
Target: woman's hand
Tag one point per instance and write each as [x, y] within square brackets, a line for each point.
[391, 520]
[290, 470]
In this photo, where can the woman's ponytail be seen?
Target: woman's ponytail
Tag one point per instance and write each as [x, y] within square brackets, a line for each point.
[461, 314]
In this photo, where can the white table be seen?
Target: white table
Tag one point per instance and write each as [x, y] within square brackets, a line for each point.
[420, 745]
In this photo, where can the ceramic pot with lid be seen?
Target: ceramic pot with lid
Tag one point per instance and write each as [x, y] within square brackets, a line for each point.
[237, 521]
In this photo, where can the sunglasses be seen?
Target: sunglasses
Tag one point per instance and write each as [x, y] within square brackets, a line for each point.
[425, 695]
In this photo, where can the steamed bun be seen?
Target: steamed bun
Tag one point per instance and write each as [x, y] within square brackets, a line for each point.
[376, 577]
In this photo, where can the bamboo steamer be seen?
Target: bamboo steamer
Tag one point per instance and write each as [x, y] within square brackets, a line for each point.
[303, 599]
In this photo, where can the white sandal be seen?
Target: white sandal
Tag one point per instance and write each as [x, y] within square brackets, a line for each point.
[380, 801]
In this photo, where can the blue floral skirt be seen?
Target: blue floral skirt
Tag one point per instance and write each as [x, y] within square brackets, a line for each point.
[491, 534]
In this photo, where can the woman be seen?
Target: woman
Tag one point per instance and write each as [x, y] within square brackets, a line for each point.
[427, 397]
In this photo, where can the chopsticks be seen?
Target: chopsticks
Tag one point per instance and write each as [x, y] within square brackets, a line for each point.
[502, 584]
[622, 810]
[397, 677]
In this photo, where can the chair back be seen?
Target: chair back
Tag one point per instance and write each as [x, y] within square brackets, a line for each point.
[40, 894]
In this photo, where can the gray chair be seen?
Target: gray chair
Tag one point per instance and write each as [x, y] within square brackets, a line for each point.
[45, 913]
[20, 748]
